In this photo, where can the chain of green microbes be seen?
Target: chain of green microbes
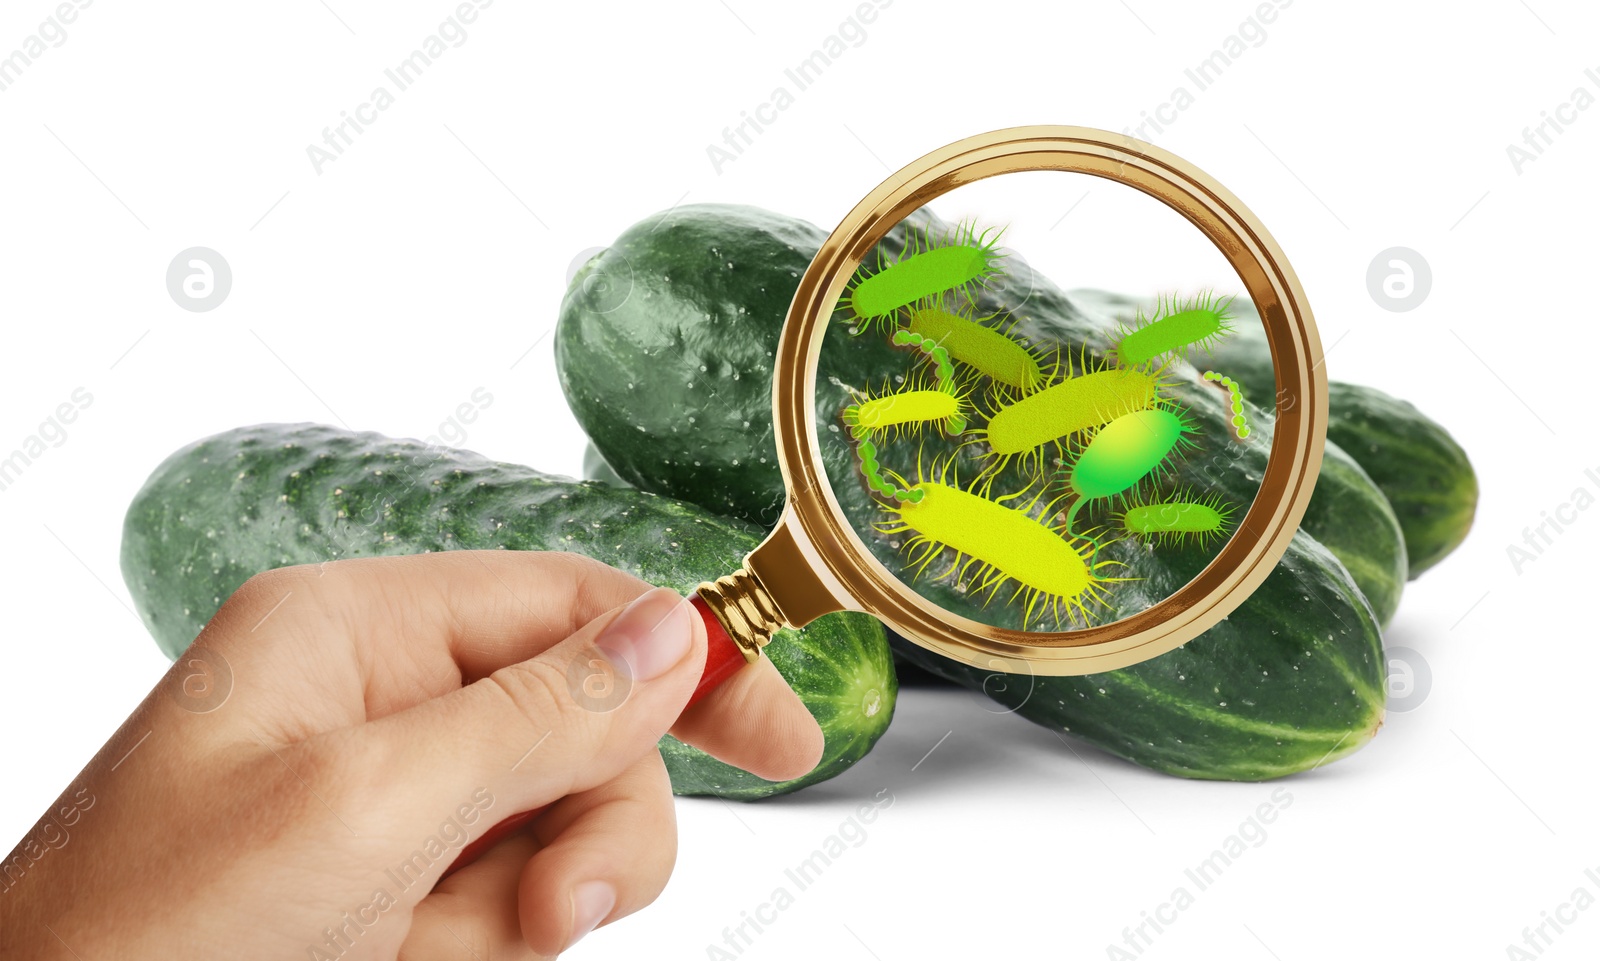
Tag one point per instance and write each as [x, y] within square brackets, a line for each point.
[1111, 427]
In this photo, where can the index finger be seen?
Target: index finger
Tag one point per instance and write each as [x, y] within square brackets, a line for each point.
[373, 636]
[387, 633]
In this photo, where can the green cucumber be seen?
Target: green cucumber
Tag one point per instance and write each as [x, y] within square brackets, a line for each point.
[1292, 680]
[693, 343]
[1350, 516]
[696, 338]
[595, 468]
[249, 500]
[1420, 468]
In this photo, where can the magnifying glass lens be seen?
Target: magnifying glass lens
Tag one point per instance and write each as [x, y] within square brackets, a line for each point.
[1028, 458]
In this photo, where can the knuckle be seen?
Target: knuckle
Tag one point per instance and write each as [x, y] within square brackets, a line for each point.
[539, 692]
[258, 586]
[260, 592]
[593, 579]
[582, 563]
[336, 770]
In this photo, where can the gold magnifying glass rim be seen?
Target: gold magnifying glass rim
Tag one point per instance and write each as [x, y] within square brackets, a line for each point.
[843, 572]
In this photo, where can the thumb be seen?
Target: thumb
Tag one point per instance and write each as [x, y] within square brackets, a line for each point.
[567, 720]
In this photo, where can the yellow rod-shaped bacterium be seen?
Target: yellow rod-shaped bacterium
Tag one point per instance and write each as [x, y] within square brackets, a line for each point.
[1076, 404]
[986, 349]
[911, 407]
[1004, 543]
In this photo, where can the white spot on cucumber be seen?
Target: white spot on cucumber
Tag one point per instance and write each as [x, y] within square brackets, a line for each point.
[871, 703]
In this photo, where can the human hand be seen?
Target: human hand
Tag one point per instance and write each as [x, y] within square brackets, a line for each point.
[384, 713]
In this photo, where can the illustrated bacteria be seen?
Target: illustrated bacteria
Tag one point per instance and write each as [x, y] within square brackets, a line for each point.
[1175, 328]
[929, 265]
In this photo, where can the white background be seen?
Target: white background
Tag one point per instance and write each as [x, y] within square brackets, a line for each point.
[430, 259]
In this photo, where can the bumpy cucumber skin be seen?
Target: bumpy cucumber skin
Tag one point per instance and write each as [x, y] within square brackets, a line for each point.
[667, 382]
[1416, 463]
[674, 384]
[1292, 680]
[257, 498]
[1348, 512]
[1350, 516]
[740, 315]
[1426, 476]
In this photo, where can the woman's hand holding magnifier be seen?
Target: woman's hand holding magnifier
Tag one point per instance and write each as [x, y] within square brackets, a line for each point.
[382, 714]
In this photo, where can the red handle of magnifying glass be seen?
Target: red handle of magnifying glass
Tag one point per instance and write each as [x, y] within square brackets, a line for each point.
[723, 660]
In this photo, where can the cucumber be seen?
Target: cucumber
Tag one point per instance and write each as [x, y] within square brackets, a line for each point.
[257, 498]
[1420, 468]
[674, 386]
[1292, 680]
[671, 340]
[1352, 518]
[1348, 513]
[693, 345]
[1426, 476]
[595, 468]
[696, 339]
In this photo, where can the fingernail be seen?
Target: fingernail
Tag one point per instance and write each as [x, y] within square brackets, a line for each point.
[591, 902]
[650, 635]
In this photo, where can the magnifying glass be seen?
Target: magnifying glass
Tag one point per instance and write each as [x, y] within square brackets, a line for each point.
[986, 493]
